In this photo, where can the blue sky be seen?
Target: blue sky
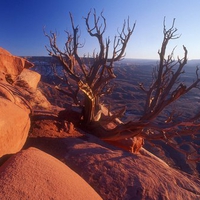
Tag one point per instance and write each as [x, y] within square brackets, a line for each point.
[22, 22]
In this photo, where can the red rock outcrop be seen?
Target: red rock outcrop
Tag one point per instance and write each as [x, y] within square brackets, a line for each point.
[14, 108]
[27, 83]
[12, 65]
[30, 77]
[18, 96]
[33, 174]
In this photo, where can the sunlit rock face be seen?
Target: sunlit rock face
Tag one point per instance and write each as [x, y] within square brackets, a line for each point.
[33, 174]
[14, 127]
[27, 83]
[14, 108]
[12, 65]
[28, 77]
[19, 95]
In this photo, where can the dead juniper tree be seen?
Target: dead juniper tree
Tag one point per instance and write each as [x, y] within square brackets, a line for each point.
[165, 89]
[92, 77]
[92, 80]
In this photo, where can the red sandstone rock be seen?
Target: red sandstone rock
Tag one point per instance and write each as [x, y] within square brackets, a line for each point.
[14, 109]
[33, 174]
[12, 65]
[120, 175]
[29, 77]
[14, 127]
[27, 83]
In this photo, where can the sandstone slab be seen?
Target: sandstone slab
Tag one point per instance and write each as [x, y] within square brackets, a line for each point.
[120, 175]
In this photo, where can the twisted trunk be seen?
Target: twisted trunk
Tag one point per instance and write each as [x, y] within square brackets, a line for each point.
[91, 110]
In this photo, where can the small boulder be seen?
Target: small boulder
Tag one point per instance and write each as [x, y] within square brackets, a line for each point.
[28, 77]
[27, 83]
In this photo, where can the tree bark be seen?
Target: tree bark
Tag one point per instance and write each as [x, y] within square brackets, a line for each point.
[91, 110]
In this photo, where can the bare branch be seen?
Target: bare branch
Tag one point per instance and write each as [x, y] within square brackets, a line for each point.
[91, 80]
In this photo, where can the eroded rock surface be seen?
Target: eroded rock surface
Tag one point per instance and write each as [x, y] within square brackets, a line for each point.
[14, 108]
[27, 83]
[118, 175]
[18, 97]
